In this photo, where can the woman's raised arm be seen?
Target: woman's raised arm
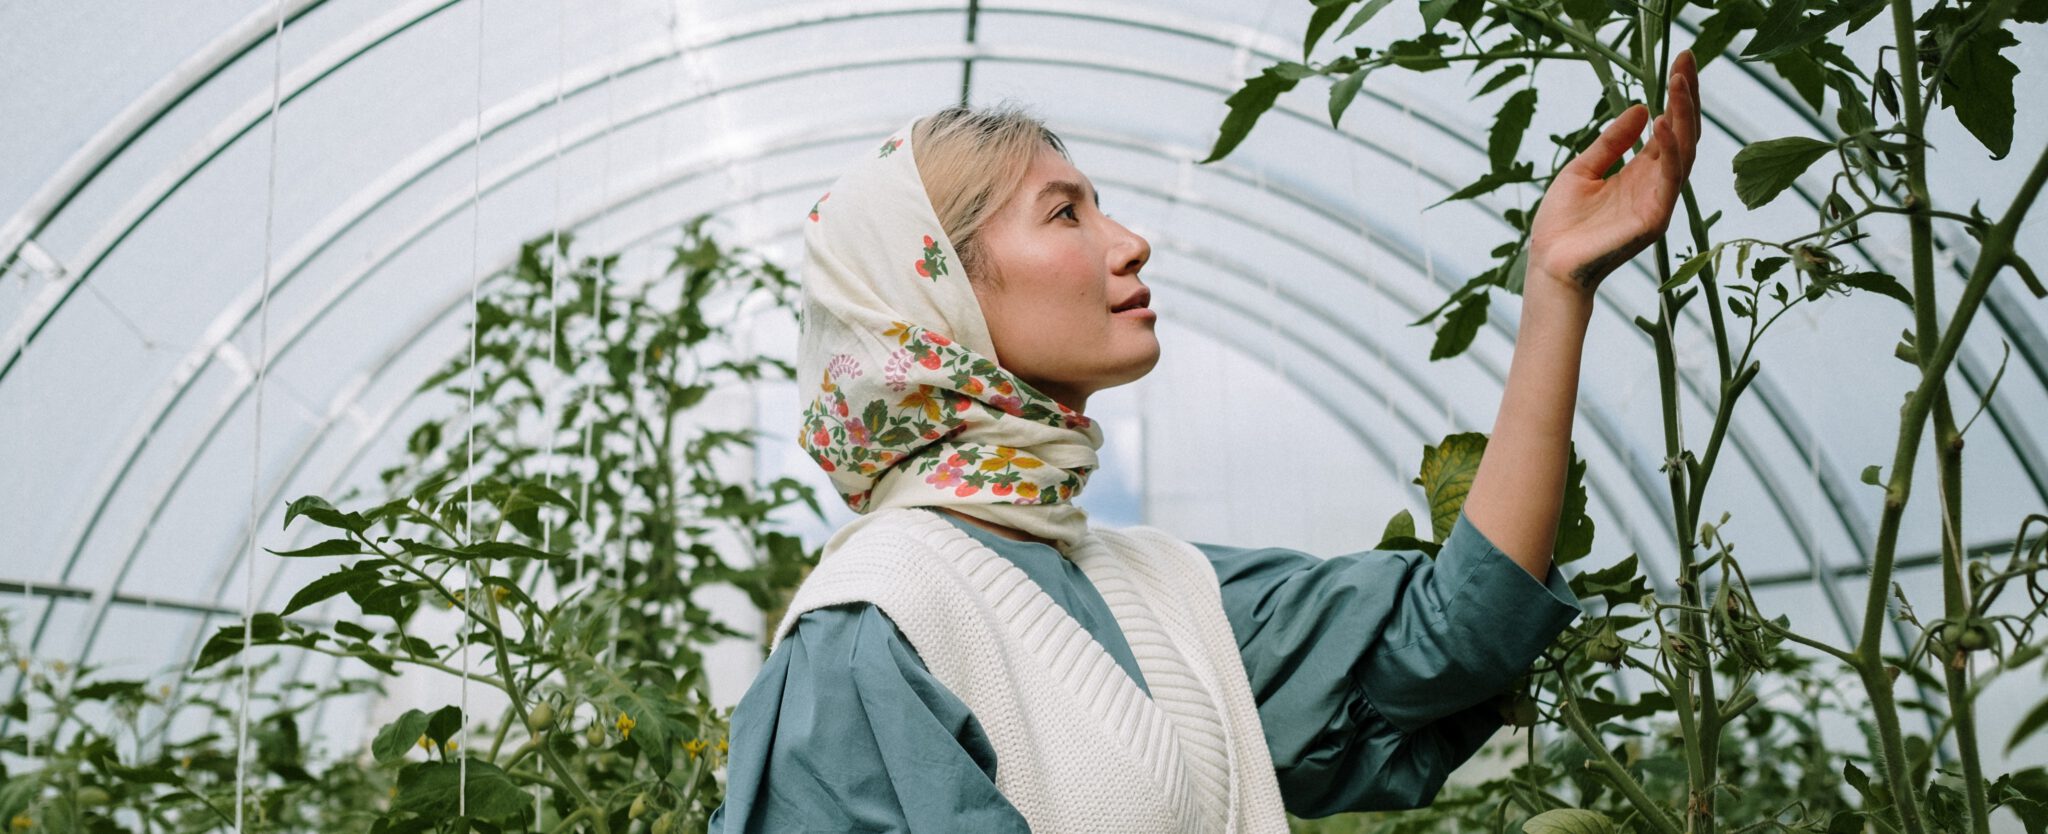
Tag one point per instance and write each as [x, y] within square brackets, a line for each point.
[1588, 225]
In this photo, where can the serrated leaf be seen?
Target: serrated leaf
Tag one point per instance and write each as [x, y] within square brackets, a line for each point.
[1569, 821]
[1976, 82]
[1522, 172]
[1326, 14]
[1879, 283]
[1765, 169]
[399, 736]
[2035, 719]
[1687, 270]
[1574, 525]
[437, 789]
[1365, 13]
[1446, 478]
[338, 582]
[1461, 325]
[1500, 79]
[1344, 92]
[331, 547]
[1247, 105]
[1508, 126]
[1401, 526]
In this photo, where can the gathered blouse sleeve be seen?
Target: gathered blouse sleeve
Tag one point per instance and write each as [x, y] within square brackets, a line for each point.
[1374, 671]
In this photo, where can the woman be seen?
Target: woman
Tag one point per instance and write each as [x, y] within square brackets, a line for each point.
[971, 655]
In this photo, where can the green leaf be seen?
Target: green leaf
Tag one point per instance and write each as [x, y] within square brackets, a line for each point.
[1460, 327]
[1976, 82]
[338, 582]
[1401, 526]
[1617, 584]
[1248, 103]
[1574, 526]
[1870, 474]
[1879, 283]
[331, 547]
[1365, 13]
[1500, 79]
[436, 790]
[1343, 92]
[1508, 126]
[508, 550]
[1787, 28]
[1687, 270]
[227, 642]
[1806, 77]
[1326, 14]
[2028, 726]
[1522, 172]
[399, 736]
[1447, 472]
[444, 724]
[1765, 169]
[1569, 821]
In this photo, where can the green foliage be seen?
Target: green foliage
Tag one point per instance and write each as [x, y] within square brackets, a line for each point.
[1727, 731]
[568, 556]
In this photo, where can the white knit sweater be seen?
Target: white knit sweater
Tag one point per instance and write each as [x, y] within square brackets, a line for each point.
[1079, 746]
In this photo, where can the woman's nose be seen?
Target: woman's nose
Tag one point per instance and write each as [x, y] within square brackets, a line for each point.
[1139, 251]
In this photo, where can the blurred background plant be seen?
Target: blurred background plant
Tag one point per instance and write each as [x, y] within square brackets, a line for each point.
[560, 537]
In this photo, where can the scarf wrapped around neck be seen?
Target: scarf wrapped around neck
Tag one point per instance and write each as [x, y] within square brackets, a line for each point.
[908, 404]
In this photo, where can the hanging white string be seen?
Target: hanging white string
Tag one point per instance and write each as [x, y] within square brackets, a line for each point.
[597, 303]
[469, 586]
[256, 437]
[554, 257]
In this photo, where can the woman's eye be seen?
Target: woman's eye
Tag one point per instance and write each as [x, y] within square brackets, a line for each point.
[1067, 210]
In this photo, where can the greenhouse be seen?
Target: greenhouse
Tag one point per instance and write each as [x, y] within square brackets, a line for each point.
[434, 416]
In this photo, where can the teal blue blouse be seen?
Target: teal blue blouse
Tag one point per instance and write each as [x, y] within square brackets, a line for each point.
[1373, 672]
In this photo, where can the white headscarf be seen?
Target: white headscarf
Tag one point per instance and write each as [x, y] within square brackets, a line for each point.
[909, 406]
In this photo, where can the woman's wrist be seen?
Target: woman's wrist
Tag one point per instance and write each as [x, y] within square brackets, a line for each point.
[1554, 300]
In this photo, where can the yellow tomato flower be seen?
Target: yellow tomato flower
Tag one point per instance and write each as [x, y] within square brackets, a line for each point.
[721, 745]
[424, 743]
[449, 746]
[625, 725]
[23, 822]
[694, 746]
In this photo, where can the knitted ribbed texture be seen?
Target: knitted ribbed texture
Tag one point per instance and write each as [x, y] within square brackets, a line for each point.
[1079, 746]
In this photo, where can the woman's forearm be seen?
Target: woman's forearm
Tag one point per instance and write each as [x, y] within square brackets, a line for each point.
[1518, 492]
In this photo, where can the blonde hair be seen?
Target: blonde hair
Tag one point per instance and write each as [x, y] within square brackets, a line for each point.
[972, 160]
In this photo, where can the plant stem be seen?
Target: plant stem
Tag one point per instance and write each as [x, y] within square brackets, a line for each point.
[1956, 604]
[1991, 260]
[1604, 762]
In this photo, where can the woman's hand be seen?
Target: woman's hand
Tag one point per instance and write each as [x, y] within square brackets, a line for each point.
[1589, 224]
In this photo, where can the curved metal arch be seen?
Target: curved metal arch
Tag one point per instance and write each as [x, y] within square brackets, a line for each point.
[293, 339]
[448, 147]
[1372, 442]
[137, 118]
[669, 51]
[1353, 138]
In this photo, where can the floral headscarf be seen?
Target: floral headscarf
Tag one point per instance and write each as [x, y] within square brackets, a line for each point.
[910, 407]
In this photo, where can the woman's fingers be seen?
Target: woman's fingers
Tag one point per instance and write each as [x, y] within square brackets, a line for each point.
[1612, 142]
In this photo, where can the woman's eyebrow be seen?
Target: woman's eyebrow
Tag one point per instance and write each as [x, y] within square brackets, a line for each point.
[1070, 189]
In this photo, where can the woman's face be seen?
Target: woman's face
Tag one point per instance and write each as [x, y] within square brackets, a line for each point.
[1063, 267]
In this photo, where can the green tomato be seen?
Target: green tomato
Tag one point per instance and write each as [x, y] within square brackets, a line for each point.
[541, 718]
[595, 735]
[93, 796]
[664, 824]
[638, 808]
